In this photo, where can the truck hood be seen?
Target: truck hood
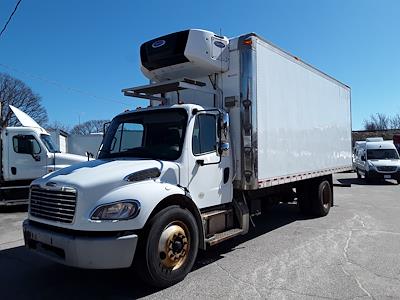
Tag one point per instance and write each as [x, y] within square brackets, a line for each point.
[102, 175]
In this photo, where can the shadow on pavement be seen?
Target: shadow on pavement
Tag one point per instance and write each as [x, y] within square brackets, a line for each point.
[13, 209]
[25, 275]
[362, 181]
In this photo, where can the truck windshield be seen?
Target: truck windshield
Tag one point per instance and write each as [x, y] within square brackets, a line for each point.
[382, 154]
[147, 134]
[48, 142]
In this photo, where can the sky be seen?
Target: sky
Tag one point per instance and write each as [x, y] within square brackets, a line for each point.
[78, 55]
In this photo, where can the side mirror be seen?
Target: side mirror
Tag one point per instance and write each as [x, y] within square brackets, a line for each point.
[89, 155]
[363, 157]
[224, 128]
[223, 149]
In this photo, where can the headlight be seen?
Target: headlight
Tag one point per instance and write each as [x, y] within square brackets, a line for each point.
[122, 210]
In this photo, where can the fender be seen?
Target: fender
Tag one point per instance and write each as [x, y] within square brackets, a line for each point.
[184, 201]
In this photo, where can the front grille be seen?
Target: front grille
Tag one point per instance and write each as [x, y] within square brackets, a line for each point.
[387, 168]
[56, 205]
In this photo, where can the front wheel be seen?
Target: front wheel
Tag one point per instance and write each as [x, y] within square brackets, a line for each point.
[171, 247]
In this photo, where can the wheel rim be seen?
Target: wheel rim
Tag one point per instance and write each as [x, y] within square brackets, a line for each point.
[174, 245]
[326, 196]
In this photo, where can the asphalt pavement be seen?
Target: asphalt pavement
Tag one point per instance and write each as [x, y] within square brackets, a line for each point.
[353, 253]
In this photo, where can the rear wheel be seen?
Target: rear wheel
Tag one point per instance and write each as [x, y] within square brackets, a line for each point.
[322, 198]
[171, 247]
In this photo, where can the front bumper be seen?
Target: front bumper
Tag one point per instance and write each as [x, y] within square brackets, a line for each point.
[88, 252]
[373, 174]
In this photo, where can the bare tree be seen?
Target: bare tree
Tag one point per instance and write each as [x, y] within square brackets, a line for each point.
[15, 92]
[57, 125]
[379, 121]
[92, 126]
[395, 121]
[369, 125]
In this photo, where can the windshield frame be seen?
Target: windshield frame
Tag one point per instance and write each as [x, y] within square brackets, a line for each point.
[105, 147]
[48, 143]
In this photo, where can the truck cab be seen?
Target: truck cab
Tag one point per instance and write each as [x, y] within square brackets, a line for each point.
[27, 153]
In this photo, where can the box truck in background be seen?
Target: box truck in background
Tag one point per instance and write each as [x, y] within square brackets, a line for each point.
[232, 124]
[27, 153]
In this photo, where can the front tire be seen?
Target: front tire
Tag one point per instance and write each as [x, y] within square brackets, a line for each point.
[171, 247]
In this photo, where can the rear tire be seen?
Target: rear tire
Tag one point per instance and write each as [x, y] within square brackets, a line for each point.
[322, 198]
[171, 247]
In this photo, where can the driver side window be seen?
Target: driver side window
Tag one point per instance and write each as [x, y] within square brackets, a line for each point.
[204, 138]
[26, 144]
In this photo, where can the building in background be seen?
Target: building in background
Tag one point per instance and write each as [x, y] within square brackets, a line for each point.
[76, 143]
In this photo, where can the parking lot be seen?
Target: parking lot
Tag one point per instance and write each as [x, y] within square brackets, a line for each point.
[352, 253]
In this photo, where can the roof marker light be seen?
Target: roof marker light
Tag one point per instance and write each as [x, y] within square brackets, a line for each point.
[247, 42]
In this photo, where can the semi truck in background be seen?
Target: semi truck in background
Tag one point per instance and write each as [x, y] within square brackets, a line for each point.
[27, 153]
[233, 126]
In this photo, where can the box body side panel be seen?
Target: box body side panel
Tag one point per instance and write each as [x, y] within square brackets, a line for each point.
[303, 118]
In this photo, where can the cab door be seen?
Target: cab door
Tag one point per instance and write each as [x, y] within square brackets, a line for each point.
[27, 159]
[209, 173]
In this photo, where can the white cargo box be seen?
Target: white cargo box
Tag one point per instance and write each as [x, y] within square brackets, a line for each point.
[303, 119]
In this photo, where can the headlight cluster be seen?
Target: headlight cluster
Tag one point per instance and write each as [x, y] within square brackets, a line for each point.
[122, 210]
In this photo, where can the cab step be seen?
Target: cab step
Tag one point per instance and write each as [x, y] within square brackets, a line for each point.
[223, 236]
[218, 220]
[214, 213]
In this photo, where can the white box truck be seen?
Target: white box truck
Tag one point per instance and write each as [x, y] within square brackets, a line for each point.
[232, 124]
[26, 153]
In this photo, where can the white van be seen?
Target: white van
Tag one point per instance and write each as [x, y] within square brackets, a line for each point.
[377, 160]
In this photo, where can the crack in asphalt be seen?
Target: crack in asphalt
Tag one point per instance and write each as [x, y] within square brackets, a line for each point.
[303, 294]
[238, 279]
[348, 261]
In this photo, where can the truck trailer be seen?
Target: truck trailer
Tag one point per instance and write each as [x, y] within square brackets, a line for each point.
[232, 126]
